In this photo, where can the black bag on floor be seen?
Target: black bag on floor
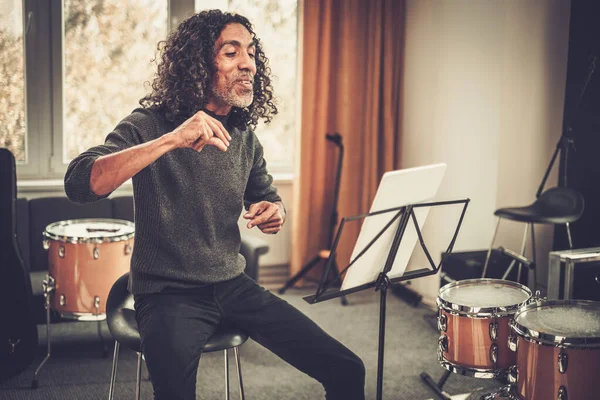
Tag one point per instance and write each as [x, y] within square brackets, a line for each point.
[18, 332]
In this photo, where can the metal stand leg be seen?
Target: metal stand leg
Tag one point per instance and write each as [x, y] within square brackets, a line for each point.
[99, 326]
[113, 374]
[138, 377]
[533, 285]
[437, 387]
[304, 271]
[227, 396]
[568, 225]
[523, 248]
[489, 253]
[47, 286]
[236, 351]
[300, 274]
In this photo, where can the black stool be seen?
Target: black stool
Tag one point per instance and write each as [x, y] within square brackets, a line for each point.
[559, 205]
[120, 316]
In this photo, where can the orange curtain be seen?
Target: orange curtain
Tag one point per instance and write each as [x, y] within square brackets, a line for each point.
[351, 84]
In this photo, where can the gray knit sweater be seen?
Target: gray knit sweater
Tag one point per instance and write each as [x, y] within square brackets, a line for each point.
[187, 204]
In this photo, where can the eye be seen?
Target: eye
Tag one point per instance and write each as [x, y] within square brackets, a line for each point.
[230, 54]
[252, 56]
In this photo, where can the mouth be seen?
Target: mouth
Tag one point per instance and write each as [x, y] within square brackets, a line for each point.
[246, 83]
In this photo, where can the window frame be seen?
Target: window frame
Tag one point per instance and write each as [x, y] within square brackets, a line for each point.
[43, 34]
[43, 38]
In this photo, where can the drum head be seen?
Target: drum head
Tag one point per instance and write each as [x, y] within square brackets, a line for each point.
[571, 323]
[90, 230]
[483, 296]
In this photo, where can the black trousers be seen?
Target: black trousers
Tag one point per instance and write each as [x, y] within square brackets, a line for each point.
[175, 325]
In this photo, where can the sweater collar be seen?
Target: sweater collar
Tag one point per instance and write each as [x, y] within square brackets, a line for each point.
[221, 118]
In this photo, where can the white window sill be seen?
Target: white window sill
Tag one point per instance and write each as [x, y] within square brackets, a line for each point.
[25, 186]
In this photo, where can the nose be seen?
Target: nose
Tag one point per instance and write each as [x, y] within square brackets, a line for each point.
[247, 63]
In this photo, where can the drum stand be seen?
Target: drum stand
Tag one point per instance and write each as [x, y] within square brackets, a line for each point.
[437, 387]
[382, 283]
[48, 287]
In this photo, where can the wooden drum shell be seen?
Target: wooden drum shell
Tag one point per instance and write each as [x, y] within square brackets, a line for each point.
[538, 377]
[80, 278]
[469, 342]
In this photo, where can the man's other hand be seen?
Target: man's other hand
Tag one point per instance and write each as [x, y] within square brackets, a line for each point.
[269, 217]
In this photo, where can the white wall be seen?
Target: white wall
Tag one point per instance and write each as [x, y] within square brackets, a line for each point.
[483, 91]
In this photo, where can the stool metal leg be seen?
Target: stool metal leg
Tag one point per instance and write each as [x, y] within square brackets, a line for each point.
[227, 396]
[489, 253]
[569, 236]
[138, 376]
[236, 351]
[523, 248]
[533, 286]
[113, 374]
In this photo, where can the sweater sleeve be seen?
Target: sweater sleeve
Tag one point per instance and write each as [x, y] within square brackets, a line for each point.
[260, 182]
[126, 134]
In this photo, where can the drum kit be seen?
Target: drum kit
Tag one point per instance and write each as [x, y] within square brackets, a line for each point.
[85, 258]
[545, 349]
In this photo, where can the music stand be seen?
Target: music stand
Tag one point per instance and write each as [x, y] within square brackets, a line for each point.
[387, 243]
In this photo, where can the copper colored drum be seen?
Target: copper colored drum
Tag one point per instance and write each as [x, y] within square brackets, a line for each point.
[558, 350]
[473, 320]
[85, 258]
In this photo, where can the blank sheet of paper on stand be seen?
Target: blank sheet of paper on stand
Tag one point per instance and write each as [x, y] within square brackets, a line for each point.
[396, 189]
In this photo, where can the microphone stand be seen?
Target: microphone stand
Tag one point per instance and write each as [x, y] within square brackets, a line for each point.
[566, 140]
[336, 139]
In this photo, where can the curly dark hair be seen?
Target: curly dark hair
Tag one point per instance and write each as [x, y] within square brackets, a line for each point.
[181, 85]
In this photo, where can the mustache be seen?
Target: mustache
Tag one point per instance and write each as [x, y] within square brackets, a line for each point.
[244, 77]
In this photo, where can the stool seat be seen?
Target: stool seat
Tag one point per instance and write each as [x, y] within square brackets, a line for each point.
[120, 317]
[558, 205]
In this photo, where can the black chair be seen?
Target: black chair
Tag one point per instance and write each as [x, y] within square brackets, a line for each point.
[559, 205]
[120, 316]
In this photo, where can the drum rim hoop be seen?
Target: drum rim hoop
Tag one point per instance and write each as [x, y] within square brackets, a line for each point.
[547, 339]
[482, 312]
[472, 371]
[75, 239]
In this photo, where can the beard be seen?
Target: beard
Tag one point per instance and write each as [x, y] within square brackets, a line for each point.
[232, 95]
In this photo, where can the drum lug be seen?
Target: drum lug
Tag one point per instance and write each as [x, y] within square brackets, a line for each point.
[563, 362]
[512, 342]
[493, 330]
[513, 374]
[61, 251]
[48, 285]
[562, 393]
[494, 354]
[46, 244]
[443, 343]
[96, 253]
[63, 300]
[127, 249]
[442, 322]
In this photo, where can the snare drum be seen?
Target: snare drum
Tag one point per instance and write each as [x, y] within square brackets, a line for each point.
[85, 258]
[558, 350]
[473, 320]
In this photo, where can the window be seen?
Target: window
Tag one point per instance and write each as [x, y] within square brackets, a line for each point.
[71, 69]
[12, 78]
[108, 48]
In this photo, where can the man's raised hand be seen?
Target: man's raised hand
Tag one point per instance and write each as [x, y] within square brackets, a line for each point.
[200, 130]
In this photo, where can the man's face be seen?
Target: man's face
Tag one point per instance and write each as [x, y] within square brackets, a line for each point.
[232, 82]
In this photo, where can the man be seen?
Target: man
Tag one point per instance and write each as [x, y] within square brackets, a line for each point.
[195, 161]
